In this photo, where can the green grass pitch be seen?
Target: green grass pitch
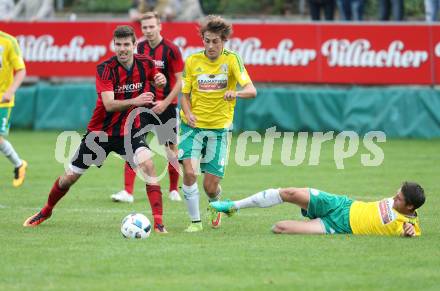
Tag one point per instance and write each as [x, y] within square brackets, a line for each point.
[81, 248]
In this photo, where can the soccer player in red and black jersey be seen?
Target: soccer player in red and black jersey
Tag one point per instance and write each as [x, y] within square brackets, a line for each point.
[168, 60]
[122, 85]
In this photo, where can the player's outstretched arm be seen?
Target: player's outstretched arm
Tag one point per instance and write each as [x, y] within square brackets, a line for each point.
[313, 226]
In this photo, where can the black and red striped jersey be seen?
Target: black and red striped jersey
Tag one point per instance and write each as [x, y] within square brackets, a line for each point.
[126, 84]
[168, 60]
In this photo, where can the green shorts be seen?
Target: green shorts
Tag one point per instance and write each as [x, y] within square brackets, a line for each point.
[5, 114]
[208, 145]
[333, 210]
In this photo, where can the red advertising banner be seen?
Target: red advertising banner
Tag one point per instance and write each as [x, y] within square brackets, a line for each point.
[289, 53]
[376, 54]
[435, 54]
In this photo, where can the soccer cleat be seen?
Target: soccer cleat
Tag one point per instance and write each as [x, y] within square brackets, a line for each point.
[160, 228]
[19, 174]
[122, 196]
[226, 207]
[35, 219]
[214, 216]
[194, 227]
[174, 196]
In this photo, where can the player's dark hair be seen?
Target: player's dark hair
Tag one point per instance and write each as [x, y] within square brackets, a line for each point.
[413, 194]
[151, 15]
[123, 31]
[216, 24]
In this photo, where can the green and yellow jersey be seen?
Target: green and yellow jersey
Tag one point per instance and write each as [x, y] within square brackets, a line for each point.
[207, 81]
[10, 61]
[379, 218]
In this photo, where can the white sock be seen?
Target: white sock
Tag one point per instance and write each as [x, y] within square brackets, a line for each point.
[266, 198]
[7, 149]
[191, 194]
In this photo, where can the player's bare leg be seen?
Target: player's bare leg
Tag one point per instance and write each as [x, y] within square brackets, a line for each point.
[298, 196]
[143, 158]
[213, 190]
[313, 226]
[68, 179]
[211, 186]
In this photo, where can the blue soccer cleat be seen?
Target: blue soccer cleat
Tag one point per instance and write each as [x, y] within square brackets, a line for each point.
[227, 207]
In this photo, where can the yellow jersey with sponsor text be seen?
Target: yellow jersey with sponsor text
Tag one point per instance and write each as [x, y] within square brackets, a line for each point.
[207, 81]
[379, 218]
[10, 61]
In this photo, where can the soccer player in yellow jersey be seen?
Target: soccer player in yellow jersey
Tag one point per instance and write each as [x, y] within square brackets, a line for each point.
[331, 213]
[210, 79]
[12, 74]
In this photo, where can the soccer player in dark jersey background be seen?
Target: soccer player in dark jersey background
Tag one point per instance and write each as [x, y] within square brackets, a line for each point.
[122, 85]
[168, 60]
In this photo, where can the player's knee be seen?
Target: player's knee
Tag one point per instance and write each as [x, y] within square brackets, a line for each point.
[291, 194]
[148, 172]
[142, 159]
[147, 167]
[287, 194]
[189, 176]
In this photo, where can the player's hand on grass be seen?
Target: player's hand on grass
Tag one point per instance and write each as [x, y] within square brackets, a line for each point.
[160, 106]
[144, 99]
[408, 230]
[160, 80]
[230, 95]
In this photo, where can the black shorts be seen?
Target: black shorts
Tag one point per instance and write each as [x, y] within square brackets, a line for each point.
[165, 124]
[94, 149]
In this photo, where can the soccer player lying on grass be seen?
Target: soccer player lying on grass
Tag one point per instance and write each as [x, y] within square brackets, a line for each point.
[331, 213]
[122, 85]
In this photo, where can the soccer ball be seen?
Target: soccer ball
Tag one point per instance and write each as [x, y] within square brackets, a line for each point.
[135, 225]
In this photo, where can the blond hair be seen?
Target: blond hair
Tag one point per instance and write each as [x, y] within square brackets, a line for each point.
[151, 15]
